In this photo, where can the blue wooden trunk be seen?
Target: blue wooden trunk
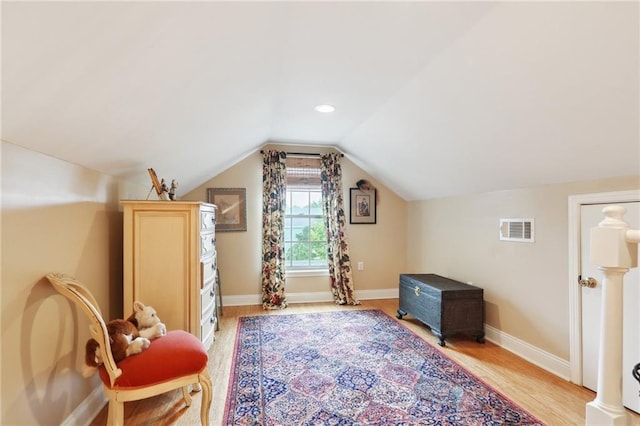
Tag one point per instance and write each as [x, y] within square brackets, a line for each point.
[446, 306]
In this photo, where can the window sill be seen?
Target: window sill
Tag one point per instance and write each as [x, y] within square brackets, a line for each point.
[307, 273]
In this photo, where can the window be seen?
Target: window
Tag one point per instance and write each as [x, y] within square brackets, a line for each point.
[304, 230]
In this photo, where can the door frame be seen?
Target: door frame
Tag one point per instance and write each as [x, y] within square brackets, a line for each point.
[575, 296]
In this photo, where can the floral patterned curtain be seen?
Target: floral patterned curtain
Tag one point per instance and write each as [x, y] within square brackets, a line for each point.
[274, 193]
[340, 273]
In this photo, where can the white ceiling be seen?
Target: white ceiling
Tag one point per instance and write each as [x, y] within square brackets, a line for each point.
[433, 98]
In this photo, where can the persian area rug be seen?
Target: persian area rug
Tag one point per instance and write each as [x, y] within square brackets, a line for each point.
[353, 368]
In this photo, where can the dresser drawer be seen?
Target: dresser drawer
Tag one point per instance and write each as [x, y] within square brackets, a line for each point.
[208, 271]
[207, 245]
[207, 297]
[207, 220]
[208, 325]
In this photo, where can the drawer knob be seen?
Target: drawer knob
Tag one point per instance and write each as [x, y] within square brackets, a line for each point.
[417, 291]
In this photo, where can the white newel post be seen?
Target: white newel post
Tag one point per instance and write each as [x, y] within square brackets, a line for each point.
[614, 249]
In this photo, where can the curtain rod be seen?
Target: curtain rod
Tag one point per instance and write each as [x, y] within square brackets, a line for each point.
[303, 154]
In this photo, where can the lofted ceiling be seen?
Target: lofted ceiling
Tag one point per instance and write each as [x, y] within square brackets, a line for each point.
[433, 99]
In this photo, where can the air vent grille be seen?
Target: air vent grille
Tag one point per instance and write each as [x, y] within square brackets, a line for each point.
[517, 229]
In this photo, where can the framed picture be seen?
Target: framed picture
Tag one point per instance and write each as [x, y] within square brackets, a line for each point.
[231, 214]
[363, 206]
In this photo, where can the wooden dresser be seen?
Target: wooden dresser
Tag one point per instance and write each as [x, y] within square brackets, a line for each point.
[446, 306]
[170, 263]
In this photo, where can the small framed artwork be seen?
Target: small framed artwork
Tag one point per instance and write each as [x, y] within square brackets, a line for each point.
[155, 182]
[231, 214]
[362, 206]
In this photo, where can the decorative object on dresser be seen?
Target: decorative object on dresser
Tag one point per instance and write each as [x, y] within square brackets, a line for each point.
[446, 306]
[155, 183]
[173, 190]
[232, 208]
[162, 190]
[362, 206]
[170, 262]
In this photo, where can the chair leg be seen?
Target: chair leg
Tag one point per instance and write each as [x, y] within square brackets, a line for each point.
[186, 395]
[115, 416]
[206, 398]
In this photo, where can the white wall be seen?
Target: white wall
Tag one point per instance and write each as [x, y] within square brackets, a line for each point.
[381, 246]
[55, 217]
[525, 284]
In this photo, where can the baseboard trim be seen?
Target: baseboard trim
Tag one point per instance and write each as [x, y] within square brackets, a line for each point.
[242, 300]
[533, 354]
[310, 297]
[387, 293]
[88, 409]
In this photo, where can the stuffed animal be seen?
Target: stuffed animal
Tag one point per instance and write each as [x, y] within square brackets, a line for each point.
[127, 337]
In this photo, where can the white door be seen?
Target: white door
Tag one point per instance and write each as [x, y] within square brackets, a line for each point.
[590, 216]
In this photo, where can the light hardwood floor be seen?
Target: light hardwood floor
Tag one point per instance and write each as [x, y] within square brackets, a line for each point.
[550, 398]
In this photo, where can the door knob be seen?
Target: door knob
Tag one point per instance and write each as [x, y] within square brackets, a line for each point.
[589, 282]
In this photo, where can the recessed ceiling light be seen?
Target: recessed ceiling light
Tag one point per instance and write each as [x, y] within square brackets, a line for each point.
[325, 108]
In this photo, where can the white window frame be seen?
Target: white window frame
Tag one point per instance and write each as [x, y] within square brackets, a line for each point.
[293, 270]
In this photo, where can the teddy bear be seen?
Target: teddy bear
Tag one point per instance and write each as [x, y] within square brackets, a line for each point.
[127, 337]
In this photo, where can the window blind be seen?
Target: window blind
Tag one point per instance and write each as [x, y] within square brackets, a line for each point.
[303, 172]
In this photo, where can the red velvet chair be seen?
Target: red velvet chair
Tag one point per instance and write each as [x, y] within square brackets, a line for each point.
[176, 360]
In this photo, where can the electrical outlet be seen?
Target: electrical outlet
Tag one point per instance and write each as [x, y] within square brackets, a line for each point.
[360, 266]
